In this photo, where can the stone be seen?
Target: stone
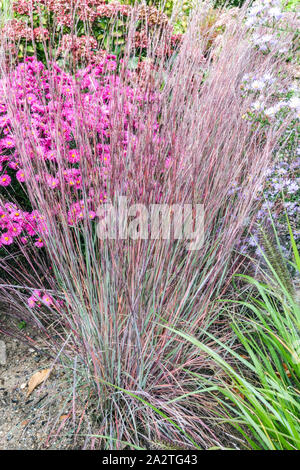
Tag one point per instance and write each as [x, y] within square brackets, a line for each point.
[2, 353]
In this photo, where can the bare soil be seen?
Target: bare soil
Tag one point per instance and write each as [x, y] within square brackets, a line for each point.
[31, 422]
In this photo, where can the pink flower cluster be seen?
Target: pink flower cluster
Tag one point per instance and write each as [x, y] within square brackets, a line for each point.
[15, 29]
[37, 106]
[78, 210]
[64, 10]
[90, 10]
[37, 299]
[17, 223]
[110, 10]
[52, 155]
[82, 49]
[40, 298]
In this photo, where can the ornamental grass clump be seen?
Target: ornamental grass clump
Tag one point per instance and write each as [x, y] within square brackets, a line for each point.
[76, 141]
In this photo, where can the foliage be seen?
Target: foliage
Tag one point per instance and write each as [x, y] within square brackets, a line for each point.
[260, 391]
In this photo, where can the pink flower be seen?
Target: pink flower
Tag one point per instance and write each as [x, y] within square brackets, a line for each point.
[47, 300]
[6, 239]
[52, 182]
[30, 230]
[41, 33]
[13, 165]
[7, 142]
[5, 180]
[20, 175]
[4, 120]
[17, 215]
[74, 156]
[50, 155]
[14, 229]
[31, 98]
[3, 216]
[111, 65]
[31, 302]
[39, 243]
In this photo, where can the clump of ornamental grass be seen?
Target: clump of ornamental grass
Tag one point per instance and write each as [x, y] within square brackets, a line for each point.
[177, 136]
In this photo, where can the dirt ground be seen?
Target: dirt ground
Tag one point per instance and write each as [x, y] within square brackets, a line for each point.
[26, 422]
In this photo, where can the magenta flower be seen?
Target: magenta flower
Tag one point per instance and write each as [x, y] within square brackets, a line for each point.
[20, 175]
[47, 300]
[14, 229]
[52, 181]
[74, 156]
[31, 302]
[5, 180]
[7, 142]
[6, 239]
[39, 243]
